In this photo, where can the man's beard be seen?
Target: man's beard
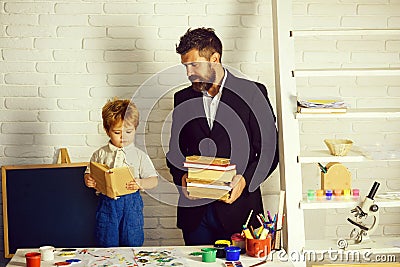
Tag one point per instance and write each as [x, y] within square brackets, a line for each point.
[205, 83]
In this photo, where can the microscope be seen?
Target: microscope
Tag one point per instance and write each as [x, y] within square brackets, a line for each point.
[363, 228]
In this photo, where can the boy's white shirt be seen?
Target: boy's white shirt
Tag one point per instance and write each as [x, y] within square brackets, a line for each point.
[131, 156]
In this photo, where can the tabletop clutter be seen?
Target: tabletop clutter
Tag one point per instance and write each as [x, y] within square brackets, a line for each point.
[207, 178]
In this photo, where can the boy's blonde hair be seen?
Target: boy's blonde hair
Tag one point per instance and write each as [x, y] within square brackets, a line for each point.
[117, 110]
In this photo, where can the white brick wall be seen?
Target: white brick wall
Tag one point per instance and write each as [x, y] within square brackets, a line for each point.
[61, 60]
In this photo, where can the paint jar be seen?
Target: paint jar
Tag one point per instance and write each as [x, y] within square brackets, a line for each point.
[239, 241]
[232, 253]
[32, 259]
[208, 254]
[346, 193]
[328, 194]
[320, 194]
[337, 193]
[355, 193]
[258, 247]
[220, 250]
[47, 253]
[311, 194]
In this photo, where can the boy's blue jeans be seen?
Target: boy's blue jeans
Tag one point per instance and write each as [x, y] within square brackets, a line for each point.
[119, 222]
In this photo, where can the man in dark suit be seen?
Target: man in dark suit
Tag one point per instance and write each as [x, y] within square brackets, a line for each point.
[223, 116]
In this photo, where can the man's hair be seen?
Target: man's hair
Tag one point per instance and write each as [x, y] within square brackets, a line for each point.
[117, 110]
[203, 39]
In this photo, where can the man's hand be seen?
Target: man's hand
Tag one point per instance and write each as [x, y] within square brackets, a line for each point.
[238, 183]
[184, 188]
[89, 181]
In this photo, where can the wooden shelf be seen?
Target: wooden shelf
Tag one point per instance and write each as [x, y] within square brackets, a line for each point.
[344, 204]
[327, 204]
[345, 72]
[324, 156]
[355, 113]
[377, 245]
[342, 32]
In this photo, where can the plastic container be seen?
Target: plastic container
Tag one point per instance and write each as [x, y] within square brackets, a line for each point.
[328, 193]
[232, 253]
[208, 254]
[239, 241]
[311, 194]
[220, 250]
[32, 259]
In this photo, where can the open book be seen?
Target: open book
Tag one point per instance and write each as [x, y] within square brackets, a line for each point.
[111, 182]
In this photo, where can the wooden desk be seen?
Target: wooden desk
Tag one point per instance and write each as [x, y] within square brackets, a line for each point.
[191, 261]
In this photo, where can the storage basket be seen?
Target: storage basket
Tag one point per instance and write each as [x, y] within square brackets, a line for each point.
[338, 147]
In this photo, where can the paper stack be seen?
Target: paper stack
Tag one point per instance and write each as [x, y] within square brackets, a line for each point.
[209, 177]
[321, 106]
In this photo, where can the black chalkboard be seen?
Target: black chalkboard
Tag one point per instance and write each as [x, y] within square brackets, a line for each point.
[47, 205]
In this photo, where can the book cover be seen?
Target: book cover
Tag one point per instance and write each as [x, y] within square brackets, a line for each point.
[305, 110]
[111, 182]
[209, 167]
[211, 175]
[208, 160]
[204, 191]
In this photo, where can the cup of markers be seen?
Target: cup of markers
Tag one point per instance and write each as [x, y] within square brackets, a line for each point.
[258, 241]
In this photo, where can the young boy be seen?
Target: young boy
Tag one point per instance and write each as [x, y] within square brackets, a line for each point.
[119, 222]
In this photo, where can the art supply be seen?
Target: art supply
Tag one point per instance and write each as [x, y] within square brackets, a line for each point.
[239, 241]
[208, 254]
[258, 264]
[355, 193]
[248, 234]
[62, 263]
[232, 253]
[328, 194]
[337, 193]
[323, 169]
[346, 193]
[32, 259]
[311, 194]
[258, 247]
[220, 247]
[47, 253]
[320, 194]
[73, 260]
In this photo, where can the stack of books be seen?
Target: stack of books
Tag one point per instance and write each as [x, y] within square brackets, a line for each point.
[321, 106]
[209, 177]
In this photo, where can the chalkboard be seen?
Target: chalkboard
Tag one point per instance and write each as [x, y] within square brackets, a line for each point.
[47, 205]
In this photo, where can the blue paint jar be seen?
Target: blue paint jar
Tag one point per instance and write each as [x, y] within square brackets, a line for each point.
[232, 253]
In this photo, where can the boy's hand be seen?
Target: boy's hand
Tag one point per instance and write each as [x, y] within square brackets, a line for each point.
[89, 181]
[132, 185]
[238, 183]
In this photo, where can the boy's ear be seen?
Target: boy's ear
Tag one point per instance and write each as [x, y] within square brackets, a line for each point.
[215, 58]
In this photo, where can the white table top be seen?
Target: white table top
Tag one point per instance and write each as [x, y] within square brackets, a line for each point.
[275, 258]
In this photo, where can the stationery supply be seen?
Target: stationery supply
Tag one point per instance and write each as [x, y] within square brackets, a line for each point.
[209, 177]
[111, 182]
[321, 106]
[336, 194]
[335, 176]
[267, 236]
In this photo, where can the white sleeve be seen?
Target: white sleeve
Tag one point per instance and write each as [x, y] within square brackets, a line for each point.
[146, 168]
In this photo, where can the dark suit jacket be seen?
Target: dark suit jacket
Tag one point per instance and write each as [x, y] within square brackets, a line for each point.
[244, 130]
